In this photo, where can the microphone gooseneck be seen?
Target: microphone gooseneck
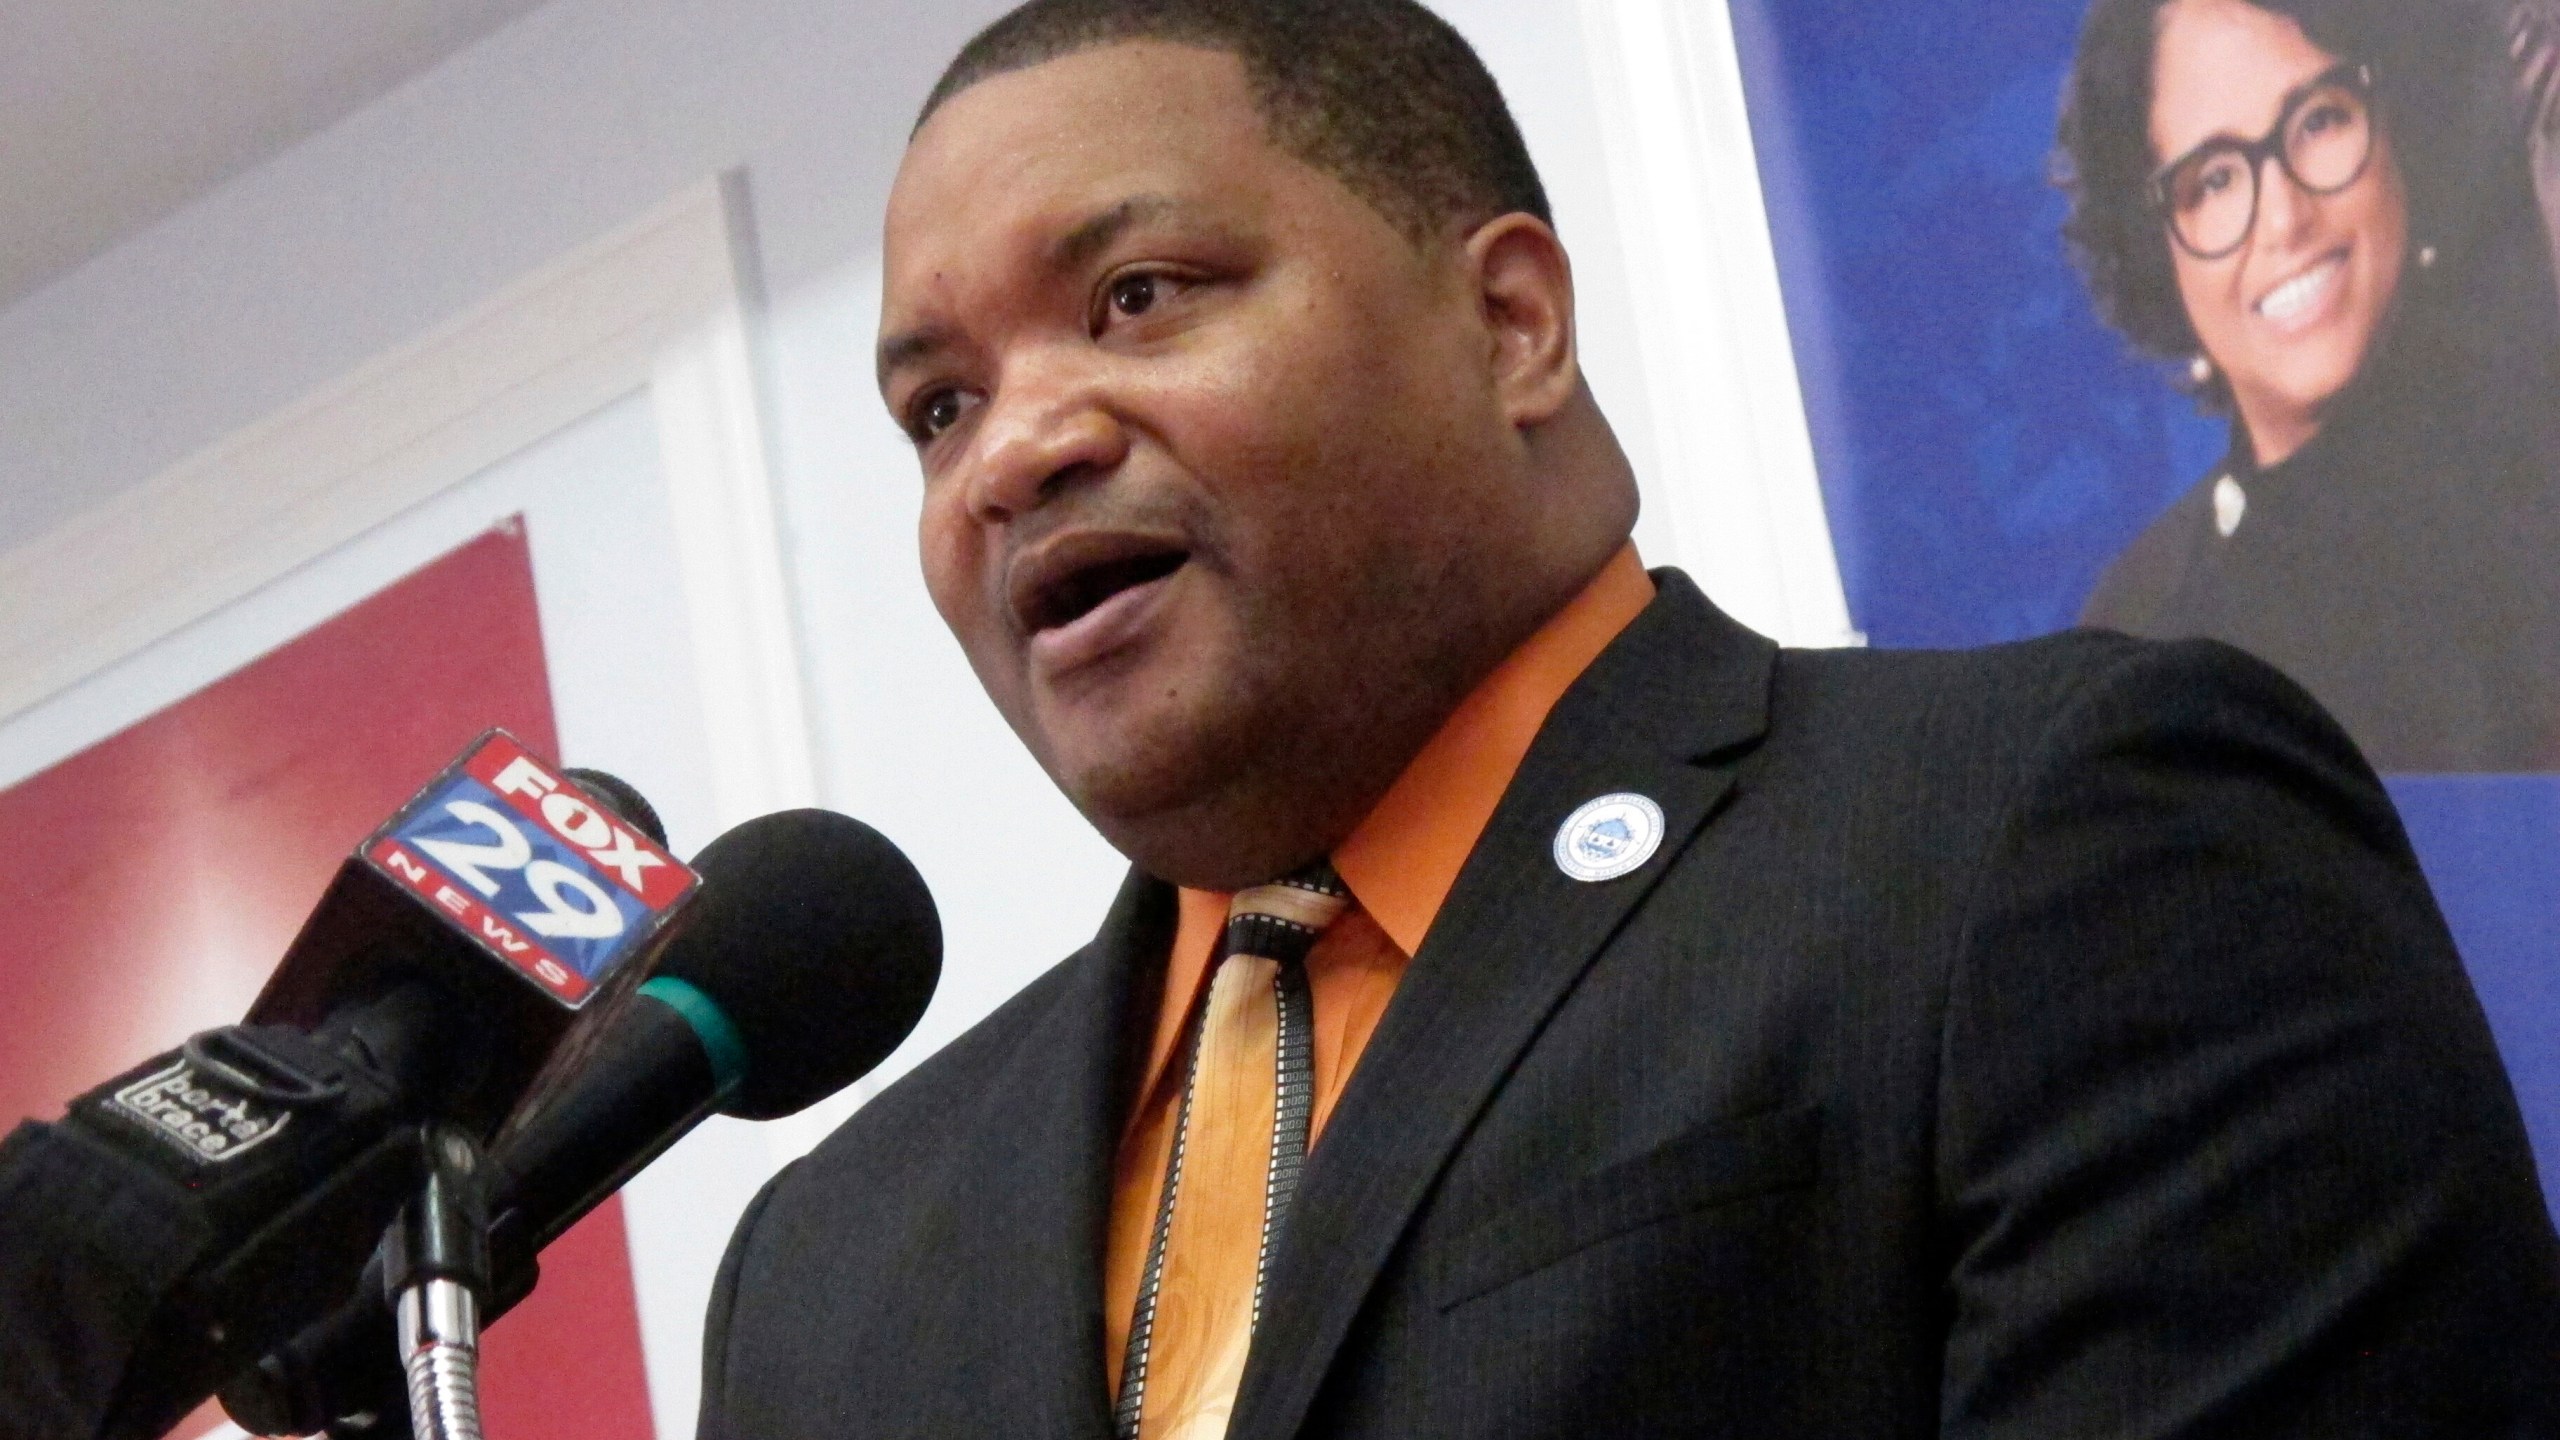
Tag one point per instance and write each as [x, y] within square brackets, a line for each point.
[440, 1349]
[437, 1272]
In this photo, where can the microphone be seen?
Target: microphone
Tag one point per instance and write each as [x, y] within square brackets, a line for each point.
[505, 896]
[437, 976]
[811, 953]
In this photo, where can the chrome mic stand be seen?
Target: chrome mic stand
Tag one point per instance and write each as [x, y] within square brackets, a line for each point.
[437, 1278]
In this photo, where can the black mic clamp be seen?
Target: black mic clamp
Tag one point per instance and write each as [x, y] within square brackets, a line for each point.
[436, 1278]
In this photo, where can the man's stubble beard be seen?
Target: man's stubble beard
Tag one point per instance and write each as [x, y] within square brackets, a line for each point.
[1280, 764]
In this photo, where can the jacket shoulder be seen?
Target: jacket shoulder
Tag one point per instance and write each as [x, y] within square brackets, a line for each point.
[2021, 689]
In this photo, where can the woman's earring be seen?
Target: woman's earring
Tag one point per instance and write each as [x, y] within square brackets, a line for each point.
[2200, 370]
[2426, 257]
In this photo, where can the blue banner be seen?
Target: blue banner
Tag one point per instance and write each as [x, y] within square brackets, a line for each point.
[2207, 317]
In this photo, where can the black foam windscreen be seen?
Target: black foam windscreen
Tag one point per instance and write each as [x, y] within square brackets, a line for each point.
[625, 801]
[819, 941]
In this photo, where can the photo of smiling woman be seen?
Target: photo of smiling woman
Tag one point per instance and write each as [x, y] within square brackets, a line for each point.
[2322, 213]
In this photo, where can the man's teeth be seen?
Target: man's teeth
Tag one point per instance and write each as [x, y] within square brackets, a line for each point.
[2296, 295]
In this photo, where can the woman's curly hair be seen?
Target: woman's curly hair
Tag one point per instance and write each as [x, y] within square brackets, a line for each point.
[2438, 94]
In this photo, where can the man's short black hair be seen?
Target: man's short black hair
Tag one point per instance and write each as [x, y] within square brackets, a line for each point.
[1380, 94]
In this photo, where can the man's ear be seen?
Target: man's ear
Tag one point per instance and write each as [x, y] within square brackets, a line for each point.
[1524, 284]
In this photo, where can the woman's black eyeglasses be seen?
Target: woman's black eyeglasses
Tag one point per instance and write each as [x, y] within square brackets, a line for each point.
[2323, 138]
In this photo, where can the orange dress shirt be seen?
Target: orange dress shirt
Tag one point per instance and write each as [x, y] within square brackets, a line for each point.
[1399, 866]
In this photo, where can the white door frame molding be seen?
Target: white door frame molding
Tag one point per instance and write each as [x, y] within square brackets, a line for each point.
[1728, 415]
[666, 305]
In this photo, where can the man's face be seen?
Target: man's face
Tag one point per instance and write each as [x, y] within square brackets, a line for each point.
[1206, 444]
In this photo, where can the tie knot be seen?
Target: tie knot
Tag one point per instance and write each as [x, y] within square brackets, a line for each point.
[1281, 920]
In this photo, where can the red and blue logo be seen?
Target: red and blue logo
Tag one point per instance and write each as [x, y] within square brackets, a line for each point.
[541, 874]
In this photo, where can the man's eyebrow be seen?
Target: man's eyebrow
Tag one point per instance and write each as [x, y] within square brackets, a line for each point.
[1078, 246]
[907, 347]
[1070, 251]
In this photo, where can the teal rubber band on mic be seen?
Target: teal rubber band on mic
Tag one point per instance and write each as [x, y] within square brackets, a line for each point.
[721, 1043]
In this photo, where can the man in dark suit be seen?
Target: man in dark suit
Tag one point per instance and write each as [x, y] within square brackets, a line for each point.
[1706, 1039]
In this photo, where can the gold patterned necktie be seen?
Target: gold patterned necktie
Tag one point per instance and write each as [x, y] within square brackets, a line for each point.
[1237, 1150]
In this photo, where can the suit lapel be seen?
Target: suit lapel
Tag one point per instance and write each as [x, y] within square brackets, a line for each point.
[1661, 713]
[1047, 1314]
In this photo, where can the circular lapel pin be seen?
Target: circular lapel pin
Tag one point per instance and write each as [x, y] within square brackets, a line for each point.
[1608, 837]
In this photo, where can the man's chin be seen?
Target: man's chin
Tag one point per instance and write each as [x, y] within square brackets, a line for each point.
[1177, 815]
[1134, 743]
[1134, 791]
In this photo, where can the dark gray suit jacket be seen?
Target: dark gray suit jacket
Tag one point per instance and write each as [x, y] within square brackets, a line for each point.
[2052, 1040]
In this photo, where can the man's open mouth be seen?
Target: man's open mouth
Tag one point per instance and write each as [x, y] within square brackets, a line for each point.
[1080, 594]
[1077, 575]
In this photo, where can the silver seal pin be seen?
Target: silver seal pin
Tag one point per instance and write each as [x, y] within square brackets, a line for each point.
[1608, 837]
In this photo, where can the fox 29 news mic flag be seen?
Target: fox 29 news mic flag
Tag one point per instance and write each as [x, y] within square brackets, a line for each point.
[186, 1217]
[529, 870]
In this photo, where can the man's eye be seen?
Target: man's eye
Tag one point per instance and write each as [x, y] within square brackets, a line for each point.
[1134, 295]
[937, 413]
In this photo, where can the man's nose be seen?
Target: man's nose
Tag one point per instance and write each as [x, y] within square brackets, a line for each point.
[1042, 432]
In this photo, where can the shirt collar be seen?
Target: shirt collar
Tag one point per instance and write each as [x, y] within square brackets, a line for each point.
[1402, 860]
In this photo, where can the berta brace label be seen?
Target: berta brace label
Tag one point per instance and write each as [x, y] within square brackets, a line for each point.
[207, 1120]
